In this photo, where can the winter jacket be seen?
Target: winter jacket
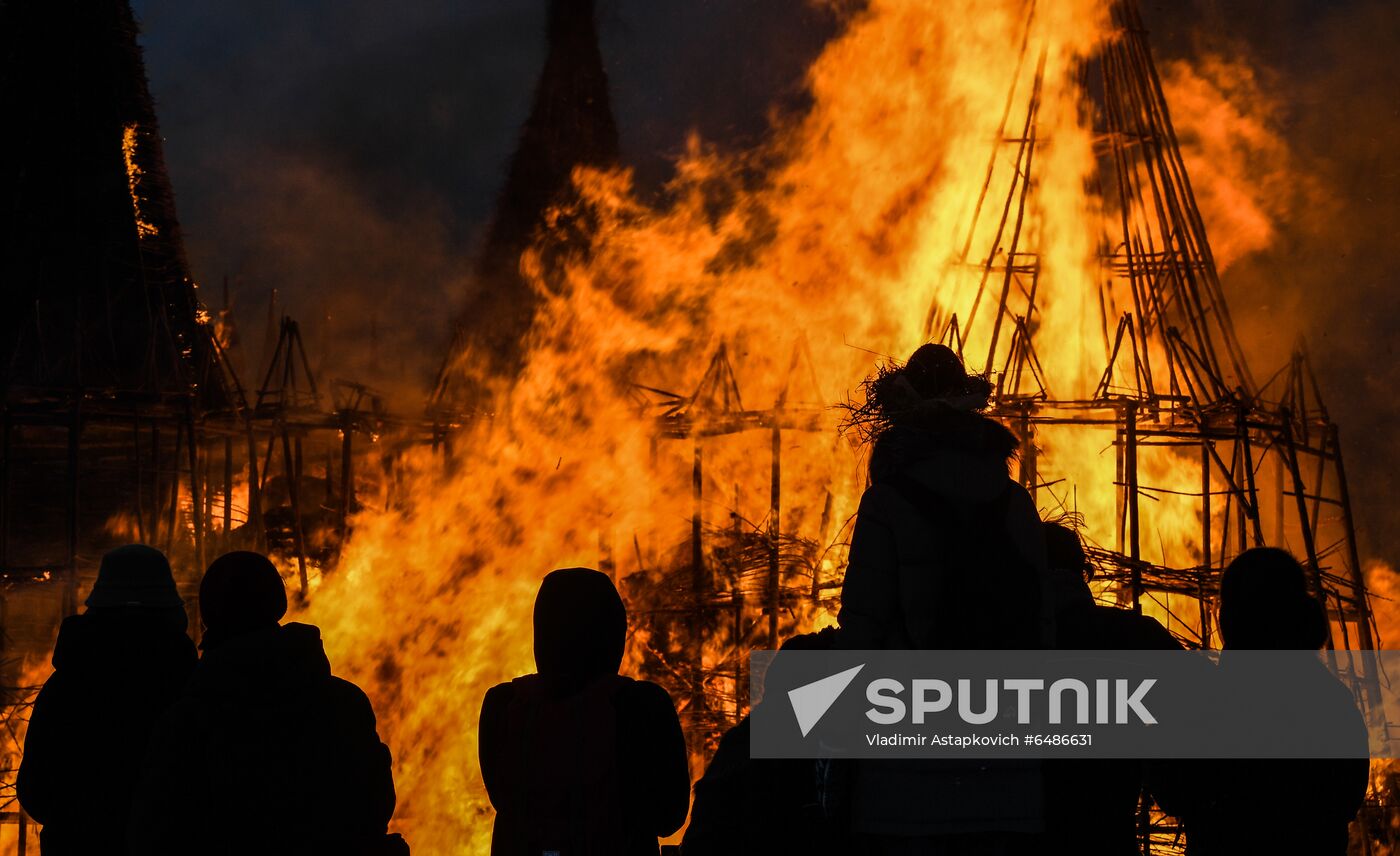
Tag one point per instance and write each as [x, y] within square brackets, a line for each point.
[896, 560]
[1225, 803]
[896, 565]
[265, 752]
[115, 673]
[577, 758]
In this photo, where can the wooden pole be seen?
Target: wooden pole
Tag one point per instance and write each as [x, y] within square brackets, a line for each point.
[1300, 495]
[1029, 462]
[775, 505]
[697, 574]
[175, 489]
[1206, 564]
[157, 494]
[228, 492]
[70, 589]
[347, 477]
[196, 502]
[255, 515]
[1130, 481]
[140, 477]
[1252, 507]
[289, 466]
[1358, 577]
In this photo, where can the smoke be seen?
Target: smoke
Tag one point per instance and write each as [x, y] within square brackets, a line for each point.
[348, 155]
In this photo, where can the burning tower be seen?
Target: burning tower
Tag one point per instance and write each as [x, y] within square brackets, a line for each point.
[108, 364]
[570, 124]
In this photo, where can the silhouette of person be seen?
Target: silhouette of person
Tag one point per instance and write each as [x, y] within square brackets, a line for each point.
[1091, 804]
[576, 758]
[265, 751]
[117, 667]
[948, 553]
[1265, 606]
[758, 806]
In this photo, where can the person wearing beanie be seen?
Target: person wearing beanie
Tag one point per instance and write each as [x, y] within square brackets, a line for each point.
[576, 758]
[265, 751]
[1265, 605]
[117, 667]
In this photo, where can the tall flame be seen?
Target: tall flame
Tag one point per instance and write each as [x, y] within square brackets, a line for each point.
[847, 241]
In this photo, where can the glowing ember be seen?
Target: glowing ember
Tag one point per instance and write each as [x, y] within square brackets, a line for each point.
[133, 181]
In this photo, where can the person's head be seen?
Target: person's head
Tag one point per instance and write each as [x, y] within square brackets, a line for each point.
[821, 640]
[779, 670]
[1265, 604]
[1064, 551]
[933, 377]
[241, 592]
[1068, 564]
[930, 401]
[137, 578]
[580, 626]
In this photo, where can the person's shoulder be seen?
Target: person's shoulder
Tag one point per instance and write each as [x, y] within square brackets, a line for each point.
[1147, 633]
[75, 637]
[346, 690]
[644, 695]
[881, 494]
[499, 698]
[1018, 500]
[347, 703]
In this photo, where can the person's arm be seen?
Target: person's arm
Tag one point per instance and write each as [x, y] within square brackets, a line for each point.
[358, 765]
[48, 745]
[656, 766]
[491, 741]
[717, 814]
[1027, 535]
[870, 594]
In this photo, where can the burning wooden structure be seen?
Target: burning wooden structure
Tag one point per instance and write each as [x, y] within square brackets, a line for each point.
[123, 418]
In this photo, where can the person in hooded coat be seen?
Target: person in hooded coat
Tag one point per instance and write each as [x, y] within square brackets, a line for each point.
[947, 553]
[576, 758]
[1091, 805]
[265, 751]
[117, 667]
[1265, 605]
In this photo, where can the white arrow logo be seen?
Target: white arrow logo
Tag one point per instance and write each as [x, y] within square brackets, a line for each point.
[810, 702]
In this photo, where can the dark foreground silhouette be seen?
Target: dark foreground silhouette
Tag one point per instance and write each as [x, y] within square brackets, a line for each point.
[117, 667]
[1228, 806]
[942, 527]
[265, 751]
[1091, 805]
[577, 759]
[761, 806]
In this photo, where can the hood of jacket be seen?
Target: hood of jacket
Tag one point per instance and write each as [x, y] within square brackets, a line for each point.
[112, 642]
[264, 671]
[955, 454]
[580, 627]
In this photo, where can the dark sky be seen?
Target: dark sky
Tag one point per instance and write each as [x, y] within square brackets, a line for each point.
[347, 153]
